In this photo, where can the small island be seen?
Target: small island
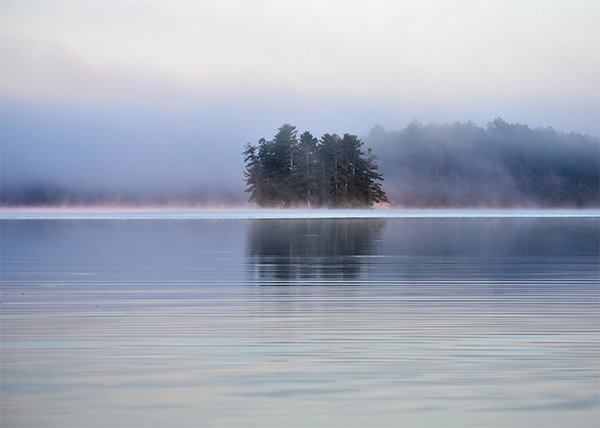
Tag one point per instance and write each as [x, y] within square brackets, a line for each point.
[291, 171]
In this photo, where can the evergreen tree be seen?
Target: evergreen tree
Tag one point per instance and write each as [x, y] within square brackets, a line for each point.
[289, 172]
[374, 191]
[253, 172]
[329, 184]
[285, 151]
[350, 160]
[304, 170]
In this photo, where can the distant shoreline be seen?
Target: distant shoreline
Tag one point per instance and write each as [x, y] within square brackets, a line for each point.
[257, 214]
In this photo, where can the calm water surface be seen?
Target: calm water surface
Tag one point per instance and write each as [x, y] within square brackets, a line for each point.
[465, 322]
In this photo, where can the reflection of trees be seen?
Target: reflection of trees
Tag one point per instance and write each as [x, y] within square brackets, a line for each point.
[310, 248]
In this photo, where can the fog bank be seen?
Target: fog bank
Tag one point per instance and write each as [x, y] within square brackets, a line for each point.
[503, 165]
[458, 165]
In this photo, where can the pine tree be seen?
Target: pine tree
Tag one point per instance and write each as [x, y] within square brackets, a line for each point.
[304, 177]
[291, 172]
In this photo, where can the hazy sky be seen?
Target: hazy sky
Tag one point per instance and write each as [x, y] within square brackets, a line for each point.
[151, 95]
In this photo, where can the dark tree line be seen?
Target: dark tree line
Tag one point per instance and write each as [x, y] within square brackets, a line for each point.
[293, 171]
[502, 165]
[434, 165]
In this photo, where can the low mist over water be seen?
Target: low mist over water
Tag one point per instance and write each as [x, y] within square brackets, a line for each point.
[436, 165]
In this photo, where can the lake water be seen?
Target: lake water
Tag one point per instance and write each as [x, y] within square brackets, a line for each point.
[380, 320]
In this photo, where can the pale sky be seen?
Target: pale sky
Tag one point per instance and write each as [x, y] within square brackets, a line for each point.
[184, 79]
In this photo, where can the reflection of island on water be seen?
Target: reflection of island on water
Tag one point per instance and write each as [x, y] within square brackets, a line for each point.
[310, 248]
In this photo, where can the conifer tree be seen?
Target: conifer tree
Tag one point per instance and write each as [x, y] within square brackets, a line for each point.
[290, 172]
[304, 171]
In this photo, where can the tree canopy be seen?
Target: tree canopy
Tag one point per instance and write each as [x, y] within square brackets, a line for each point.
[292, 171]
[502, 165]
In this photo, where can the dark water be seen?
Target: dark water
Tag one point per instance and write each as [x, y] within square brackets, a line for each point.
[300, 322]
